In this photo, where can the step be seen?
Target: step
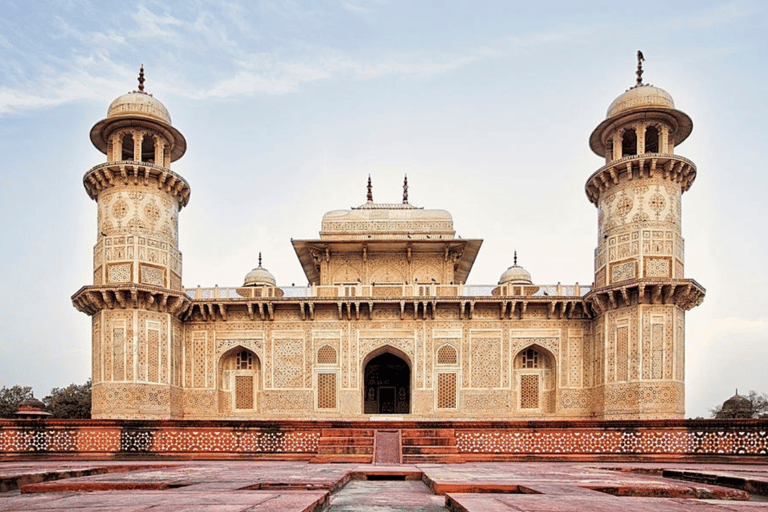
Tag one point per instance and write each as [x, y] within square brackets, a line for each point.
[429, 441]
[346, 432]
[345, 450]
[418, 450]
[341, 458]
[345, 441]
[437, 459]
[417, 432]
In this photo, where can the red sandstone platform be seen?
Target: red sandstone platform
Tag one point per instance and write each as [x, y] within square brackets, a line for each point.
[216, 486]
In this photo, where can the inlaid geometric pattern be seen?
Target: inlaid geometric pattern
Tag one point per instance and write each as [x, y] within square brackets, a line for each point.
[152, 275]
[119, 273]
[623, 271]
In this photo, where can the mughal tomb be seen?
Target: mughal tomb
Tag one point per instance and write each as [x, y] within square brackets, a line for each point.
[388, 326]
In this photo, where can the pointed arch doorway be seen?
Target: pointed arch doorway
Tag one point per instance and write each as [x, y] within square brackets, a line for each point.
[387, 379]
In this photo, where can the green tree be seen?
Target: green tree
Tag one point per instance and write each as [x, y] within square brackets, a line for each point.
[10, 398]
[72, 402]
[755, 406]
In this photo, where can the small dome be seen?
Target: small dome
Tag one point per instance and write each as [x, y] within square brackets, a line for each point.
[138, 104]
[259, 277]
[32, 402]
[640, 97]
[515, 275]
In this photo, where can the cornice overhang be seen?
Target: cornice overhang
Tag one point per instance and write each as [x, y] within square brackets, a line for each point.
[92, 299]
[683, 293]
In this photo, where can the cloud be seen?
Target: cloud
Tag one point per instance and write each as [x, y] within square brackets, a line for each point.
[715, 17]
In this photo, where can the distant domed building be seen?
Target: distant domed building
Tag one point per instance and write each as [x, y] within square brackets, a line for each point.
[389, 324]
[736, 407]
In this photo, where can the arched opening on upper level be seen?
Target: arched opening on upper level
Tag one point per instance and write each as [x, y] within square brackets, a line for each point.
[651, 139]
[629, 142]
[148, 148]
[128, 147]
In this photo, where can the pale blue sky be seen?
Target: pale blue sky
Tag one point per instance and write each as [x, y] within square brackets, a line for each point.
[287, 106]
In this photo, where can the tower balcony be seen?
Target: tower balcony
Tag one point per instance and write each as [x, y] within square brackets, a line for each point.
[647, 165]
[129, 172]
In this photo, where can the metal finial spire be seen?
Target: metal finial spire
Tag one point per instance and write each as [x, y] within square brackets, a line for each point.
[515, 261]
[259, 258]
[639, 71]
[141, 78]
[405, 190]
[370, 190]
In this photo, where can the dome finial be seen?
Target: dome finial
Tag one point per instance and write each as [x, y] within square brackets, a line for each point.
[259, 258]
[405, 190]
[370, 190]
[141, 78]
[515, 260]
[639, 71]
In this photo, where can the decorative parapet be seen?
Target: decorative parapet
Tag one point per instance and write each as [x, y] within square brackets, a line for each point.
[389, 290]
[669, 166]
[104, 176]
[92, 299]
[684, 293]
[356, 301]
[728, 440]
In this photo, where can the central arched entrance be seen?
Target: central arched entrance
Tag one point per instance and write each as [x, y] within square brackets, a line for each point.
[387, 379]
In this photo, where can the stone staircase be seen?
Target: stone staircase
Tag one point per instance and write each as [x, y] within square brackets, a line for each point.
[429, 445]
[350, 445]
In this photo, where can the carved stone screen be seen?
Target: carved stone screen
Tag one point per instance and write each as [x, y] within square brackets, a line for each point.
[446, 390]
[529, 391]
[326, 390]
[244, 392]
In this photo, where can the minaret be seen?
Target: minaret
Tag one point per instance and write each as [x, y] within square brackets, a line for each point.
[640, 294]
[136, 297]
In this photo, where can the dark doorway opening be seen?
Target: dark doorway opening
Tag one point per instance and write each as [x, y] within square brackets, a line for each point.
[387, 385]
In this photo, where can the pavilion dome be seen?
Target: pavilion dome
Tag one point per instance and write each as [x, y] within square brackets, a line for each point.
[139, 104]
[515, 275]
[138, 107]
[259, 276]
[639, 98]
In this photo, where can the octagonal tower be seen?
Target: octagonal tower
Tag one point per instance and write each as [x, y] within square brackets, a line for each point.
[640, 293]
[136, 297]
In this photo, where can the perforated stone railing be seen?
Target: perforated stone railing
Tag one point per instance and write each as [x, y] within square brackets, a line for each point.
[475, 440]
[390, 290]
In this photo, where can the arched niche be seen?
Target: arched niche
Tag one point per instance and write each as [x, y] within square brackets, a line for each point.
[238, 381]
[534, 370]
[387, 381]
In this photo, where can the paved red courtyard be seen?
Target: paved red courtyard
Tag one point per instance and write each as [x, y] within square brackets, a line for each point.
[219, 486]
